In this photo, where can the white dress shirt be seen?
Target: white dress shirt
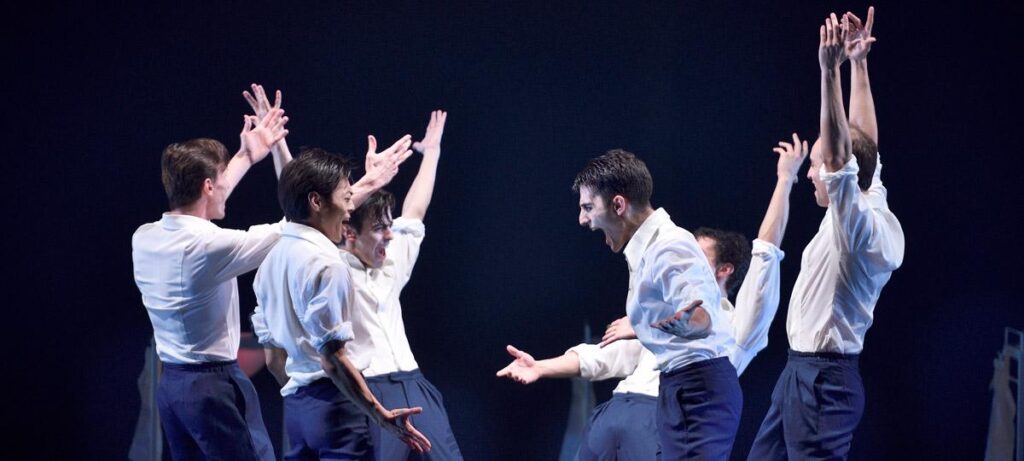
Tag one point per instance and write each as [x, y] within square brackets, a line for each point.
[844, 267]
[185, 268]
[304, 293]
[668, 270]
[380, 340]
[757, 301]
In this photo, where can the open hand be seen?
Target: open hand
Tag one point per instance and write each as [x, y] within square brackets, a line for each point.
[690, 322]
[398, 423]
[619, 329]
[522, 370]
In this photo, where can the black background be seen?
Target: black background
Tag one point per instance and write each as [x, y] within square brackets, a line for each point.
[700, 90]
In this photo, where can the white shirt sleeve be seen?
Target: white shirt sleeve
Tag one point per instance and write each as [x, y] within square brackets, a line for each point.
[859, 227]
[404, 248]
[260, 329]
[682, 274]
[230, 253]
[757, 302]
[329, 292]
[616, 360]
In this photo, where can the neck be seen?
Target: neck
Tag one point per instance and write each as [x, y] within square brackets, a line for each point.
[197, 209]
[632, 221]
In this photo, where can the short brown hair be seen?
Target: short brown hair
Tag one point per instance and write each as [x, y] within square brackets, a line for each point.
[184, 167]
[374, 210]
[865, 150]
[617, 172]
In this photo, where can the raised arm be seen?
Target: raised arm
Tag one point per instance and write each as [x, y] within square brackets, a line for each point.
[256, 138]
[835, 132]
[422, 189]
[791, 156]
[350, 381]
[524, 369]
[381, 167]
[858, 44]
[261, 106]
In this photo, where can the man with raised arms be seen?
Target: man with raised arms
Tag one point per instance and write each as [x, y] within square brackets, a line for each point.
[819, 397]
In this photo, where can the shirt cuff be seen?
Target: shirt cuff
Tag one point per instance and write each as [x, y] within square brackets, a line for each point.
[341, 333]
[847, 172]
[408, 226]
[767, 250]
[588, 360]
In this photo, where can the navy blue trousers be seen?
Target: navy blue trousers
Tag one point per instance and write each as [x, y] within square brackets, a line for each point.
[699, 408]
[323, 424]
[622, 429]
[209, 411]
[407, 389]
[816, 405]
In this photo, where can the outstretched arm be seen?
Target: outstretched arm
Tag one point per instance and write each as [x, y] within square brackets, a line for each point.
[858, 44]
[256, 138]
[350, 381]
[791, 156]
[422, 189]
[261, 106]
[381, 167]
[525, 370]
[835, 132]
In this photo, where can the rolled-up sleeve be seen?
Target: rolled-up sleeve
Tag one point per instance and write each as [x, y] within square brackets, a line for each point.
[757, 302]
[616, 360]
[861, 227]
[404, 248]
[259, 327]
[328, 292]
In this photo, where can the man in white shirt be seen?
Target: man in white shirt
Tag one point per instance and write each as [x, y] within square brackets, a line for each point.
[624, 427]
[380, 255]
[671, 284]
[186, 267]
[306, 315]
[819, 397]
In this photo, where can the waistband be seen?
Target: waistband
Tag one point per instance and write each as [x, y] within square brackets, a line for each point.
[634, 396]
[830, 356]
[202, 366]
[709, 363]
[396, 377]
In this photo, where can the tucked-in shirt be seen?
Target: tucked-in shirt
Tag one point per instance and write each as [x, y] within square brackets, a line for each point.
[668, 270]
[843, 269]
[304, 293]
[750, 320]
[186, 269]
[380, 340]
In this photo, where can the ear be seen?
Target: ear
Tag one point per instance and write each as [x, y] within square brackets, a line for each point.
[725, 270]
[619, 205]
[316, 202]
[208, 186]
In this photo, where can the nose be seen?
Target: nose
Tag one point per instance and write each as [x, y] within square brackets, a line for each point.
[810, 173]
[388, 235]
[584, 220]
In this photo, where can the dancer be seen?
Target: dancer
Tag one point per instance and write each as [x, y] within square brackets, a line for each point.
[186, 267]
[819, 397]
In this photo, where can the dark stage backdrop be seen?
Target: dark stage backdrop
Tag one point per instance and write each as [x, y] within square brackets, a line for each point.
[701, 90]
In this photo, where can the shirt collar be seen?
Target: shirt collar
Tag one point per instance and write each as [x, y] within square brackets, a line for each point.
[175, 221]
[309, 234]
[643, 236]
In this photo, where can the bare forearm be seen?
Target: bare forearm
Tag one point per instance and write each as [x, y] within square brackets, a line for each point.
[773, 227]
[236, 169]
[365, 187]
[835, 133]
[351, 384]
[282, 155]
[862, 104]
[564, 366]
[422, 189]
[276, 359]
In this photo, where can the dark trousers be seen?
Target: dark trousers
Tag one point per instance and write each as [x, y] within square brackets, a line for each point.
[407, 389]
[699, 408]
[622, 429]
[209, 411]
[816, 405]
[323, 424]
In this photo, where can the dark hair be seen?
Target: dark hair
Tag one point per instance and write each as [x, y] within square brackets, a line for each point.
[617, 172]
[732, 248]
[184, 167]
[315, 170]
[374, 210]
[865, 150]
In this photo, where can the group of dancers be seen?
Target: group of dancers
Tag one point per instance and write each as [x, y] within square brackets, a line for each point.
[330, 274]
